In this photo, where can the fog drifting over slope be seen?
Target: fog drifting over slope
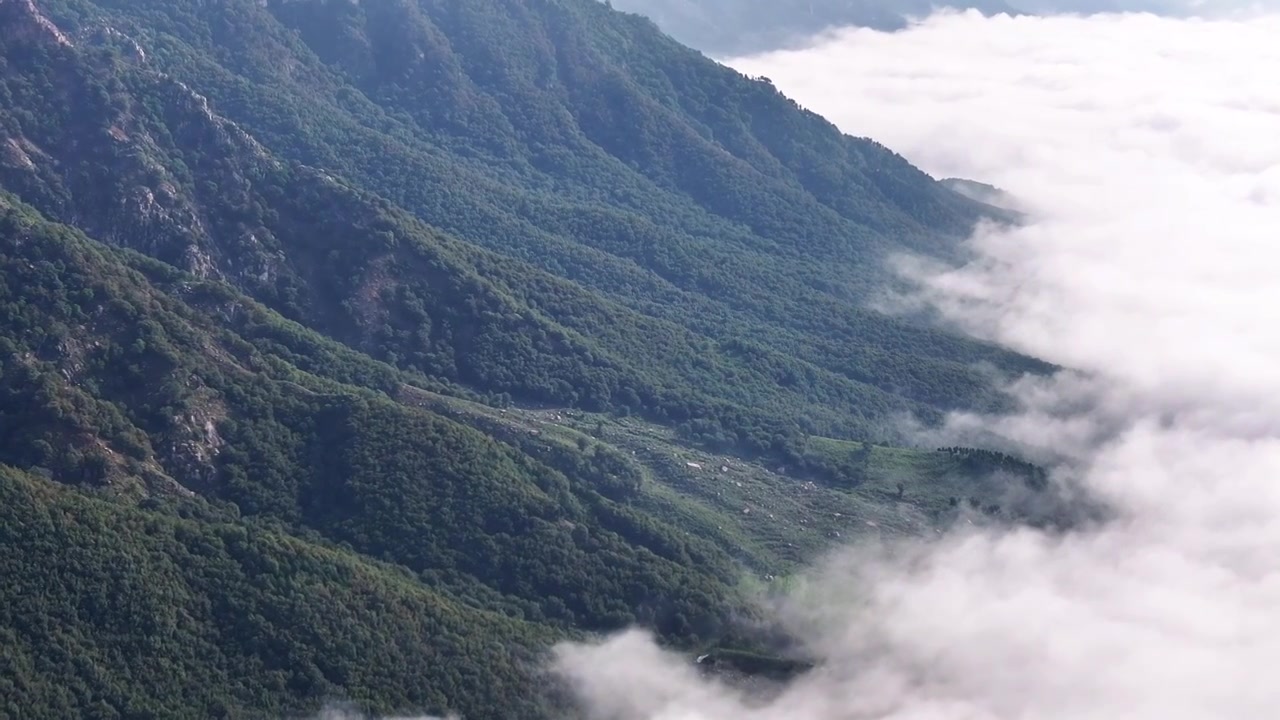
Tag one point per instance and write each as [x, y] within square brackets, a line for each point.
[1148, 151]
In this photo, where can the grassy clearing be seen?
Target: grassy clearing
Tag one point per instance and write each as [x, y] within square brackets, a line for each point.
[772, 522]
[775, 524]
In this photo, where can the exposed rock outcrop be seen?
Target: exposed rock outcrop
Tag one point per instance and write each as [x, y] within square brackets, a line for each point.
[21, 18]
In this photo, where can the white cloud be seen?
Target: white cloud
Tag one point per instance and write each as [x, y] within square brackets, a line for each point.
[1148, 149]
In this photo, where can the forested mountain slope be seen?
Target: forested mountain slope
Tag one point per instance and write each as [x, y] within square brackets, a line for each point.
[283, 284]
[681, 200]
[124, 377]
[284, 520]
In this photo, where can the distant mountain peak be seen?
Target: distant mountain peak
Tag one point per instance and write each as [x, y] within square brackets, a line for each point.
[745, 27]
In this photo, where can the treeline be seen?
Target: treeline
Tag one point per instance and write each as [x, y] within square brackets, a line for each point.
[986, 461]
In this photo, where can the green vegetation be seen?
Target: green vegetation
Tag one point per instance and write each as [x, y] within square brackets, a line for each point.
[361, 350]
[113, 612]
[124, 391]
[729, 298]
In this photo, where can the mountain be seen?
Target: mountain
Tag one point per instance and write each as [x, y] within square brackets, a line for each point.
[151, 388]
[636, 191]
[362, 350]
[734, 28]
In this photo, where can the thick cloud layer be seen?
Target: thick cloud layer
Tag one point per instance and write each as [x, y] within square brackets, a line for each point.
[1148, 152]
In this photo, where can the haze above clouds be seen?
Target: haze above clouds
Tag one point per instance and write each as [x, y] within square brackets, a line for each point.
[726, 27]
[1148, 152]
[1200, 8]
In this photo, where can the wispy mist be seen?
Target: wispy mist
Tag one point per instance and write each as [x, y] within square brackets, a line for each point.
[1147, 151]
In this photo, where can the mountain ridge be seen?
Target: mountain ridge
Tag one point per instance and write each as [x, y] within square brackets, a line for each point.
[763, 285]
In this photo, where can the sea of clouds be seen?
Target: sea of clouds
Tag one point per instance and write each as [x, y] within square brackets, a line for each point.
[1147, 151]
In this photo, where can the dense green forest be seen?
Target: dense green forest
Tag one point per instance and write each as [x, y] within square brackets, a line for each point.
[359, 351]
